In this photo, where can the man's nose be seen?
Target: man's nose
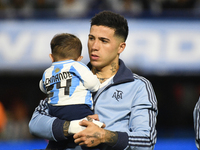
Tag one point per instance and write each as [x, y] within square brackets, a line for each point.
[95, 45]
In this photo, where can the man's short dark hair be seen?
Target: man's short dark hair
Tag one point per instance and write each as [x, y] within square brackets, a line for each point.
[112, 20]
[65, 45]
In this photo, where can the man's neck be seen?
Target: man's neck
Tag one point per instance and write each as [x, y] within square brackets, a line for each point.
[106, 72]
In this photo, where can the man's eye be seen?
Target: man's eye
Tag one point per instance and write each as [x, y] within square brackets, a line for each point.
[91, 38]
[104, 41]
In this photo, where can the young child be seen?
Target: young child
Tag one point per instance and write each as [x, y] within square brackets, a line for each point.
[68, 83]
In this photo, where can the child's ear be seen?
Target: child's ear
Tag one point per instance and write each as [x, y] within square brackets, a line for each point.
[80, 58]
[51, 57]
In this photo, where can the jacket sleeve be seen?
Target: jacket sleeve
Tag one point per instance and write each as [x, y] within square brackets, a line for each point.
[142, 133]
[45, 126]
[196, 114]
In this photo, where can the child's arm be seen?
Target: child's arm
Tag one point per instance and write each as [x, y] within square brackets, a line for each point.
[89, 80]
[42, 88]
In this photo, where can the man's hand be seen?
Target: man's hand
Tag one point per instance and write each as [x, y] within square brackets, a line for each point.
[91, 136]
[94, 135]
[95, 117]
[72, 127]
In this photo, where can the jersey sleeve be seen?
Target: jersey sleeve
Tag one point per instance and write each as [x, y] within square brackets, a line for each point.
[42, 88]
[90, 81]
[196, 114]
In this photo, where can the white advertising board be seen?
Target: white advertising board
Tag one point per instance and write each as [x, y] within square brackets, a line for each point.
[153, 46]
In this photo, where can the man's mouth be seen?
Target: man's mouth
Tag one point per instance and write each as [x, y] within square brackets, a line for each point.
[94, 57]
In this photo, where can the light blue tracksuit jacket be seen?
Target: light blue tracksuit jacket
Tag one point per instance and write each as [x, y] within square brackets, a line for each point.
[127, 104]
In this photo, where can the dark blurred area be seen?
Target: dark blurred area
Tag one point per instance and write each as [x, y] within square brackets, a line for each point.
[51, 9]
[176, 94]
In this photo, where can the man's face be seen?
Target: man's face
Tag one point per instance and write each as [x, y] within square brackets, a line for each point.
[103, 47]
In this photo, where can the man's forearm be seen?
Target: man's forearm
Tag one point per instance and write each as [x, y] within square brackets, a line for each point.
[41, 126]
[66, 128]
[94, 135]
[110, 137]
[117, 140]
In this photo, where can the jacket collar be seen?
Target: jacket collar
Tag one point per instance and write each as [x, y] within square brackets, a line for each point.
[124, 74]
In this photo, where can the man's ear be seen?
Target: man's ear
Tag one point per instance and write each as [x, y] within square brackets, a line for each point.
[80, 58]
[121, 47]
[51, 57]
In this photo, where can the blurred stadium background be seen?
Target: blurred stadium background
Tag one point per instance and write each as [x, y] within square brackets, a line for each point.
[163, 46]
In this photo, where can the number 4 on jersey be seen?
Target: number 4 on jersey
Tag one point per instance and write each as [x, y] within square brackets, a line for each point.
[58, 86]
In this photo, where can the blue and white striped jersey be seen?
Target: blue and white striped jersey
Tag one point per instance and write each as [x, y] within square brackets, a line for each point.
[69, 82]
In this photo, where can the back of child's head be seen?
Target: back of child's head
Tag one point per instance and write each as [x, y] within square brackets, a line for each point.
[65, 46]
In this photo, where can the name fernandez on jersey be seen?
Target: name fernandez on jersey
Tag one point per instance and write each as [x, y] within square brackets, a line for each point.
[58, 77]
